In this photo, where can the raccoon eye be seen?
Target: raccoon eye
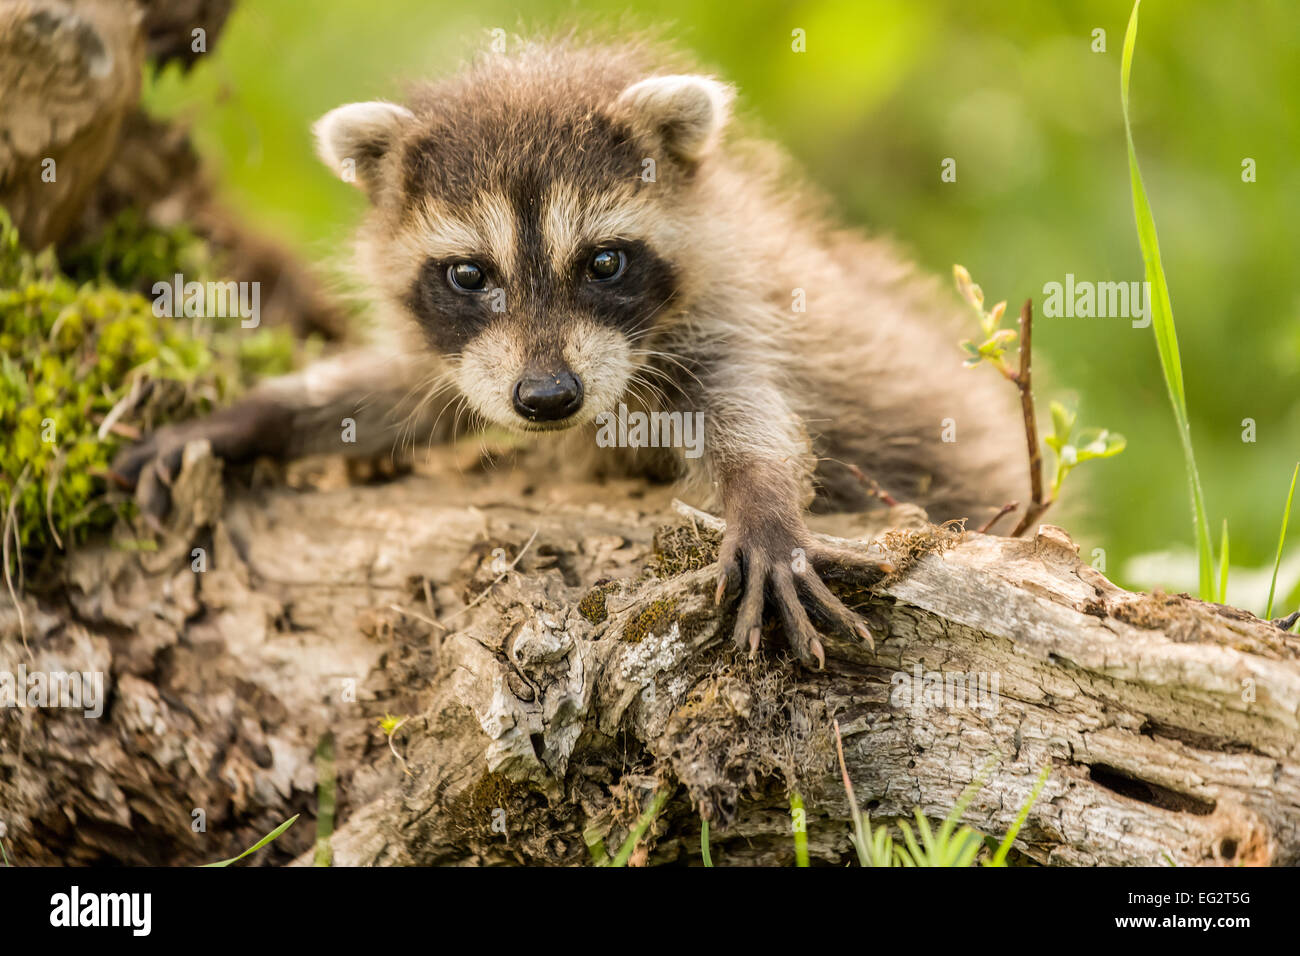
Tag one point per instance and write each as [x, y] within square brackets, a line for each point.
[607, 265]
[466, 276]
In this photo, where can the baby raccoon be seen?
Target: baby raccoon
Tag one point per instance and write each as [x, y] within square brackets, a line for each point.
[574, 231]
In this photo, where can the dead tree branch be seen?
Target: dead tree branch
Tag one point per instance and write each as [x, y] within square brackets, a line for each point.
[598, 671]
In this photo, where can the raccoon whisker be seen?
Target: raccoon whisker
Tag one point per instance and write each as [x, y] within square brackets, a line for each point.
[664, 375]
[644, 323]
[433, 385]
[654, 353]
[457, 408]
[460, 397]
[408, 426]
[435, 391]
[424, 383]
[661, 392]
[635, 383]
[462, 404]
[639, 377]
[634, 391]
[646, 327]
[669, 357]
[659, 308]
[638, 334]
[485, 453]
[476, 423]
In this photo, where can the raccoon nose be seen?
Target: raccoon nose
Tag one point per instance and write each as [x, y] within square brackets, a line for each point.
[548, 398]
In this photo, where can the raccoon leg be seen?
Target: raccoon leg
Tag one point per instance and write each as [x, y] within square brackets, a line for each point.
[359, 404]
[768, 555]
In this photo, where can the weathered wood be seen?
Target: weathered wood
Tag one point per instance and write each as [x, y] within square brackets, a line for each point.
[76, 149]
[69, 75]
[1170, 726]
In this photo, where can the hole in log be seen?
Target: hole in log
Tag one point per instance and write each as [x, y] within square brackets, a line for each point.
[1228, 849]
[1151, 793]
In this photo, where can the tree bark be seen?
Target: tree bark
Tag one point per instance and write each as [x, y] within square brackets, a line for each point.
[76, 148]
[569, 681]
[69, 75]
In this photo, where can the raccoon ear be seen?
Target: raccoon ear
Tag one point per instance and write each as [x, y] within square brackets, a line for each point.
[686, 112]
[352, 139]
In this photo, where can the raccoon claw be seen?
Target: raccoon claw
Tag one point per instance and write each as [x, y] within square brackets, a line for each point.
[149, 467]
[160, 451]
[780, 568]
[728, 582]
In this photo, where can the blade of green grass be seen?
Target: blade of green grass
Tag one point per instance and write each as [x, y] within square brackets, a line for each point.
[1000, 857]
[799, 820]
[642, 824]
[704, 843]
[1281, 540]
[1162, 321]
[259, 844]
[1223, 564]
[596, 847]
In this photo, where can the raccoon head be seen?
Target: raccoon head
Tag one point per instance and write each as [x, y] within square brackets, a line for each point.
[534, 219]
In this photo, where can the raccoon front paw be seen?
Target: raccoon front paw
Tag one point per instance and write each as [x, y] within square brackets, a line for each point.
[148, 467]
[782, 562]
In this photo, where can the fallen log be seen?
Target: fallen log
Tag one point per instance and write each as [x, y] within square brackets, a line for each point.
[552, 658]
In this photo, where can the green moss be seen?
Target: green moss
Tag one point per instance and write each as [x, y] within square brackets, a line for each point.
[655, 618]
[592, 605]
[71, 350]
[133, 255]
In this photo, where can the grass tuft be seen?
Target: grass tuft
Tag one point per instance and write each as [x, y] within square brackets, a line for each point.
[1281, 541]
[1162, 322]
[799, 824]
[1223, 564]
[259, 844]
[642, 825]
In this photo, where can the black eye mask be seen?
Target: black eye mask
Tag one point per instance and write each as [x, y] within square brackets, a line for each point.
[638, 291]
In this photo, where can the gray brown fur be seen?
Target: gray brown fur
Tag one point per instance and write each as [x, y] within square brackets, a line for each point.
[528, 162]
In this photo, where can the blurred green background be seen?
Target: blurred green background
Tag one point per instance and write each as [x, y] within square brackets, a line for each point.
[1014, 92]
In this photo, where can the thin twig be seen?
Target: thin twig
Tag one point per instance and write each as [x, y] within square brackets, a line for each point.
[51, 482]
[1004, 510]
[860, 839]
[1024, 385]
[415, 614]
[872, 486]
[124, 405]
[491, 584]
[396, 727]
[11, 529]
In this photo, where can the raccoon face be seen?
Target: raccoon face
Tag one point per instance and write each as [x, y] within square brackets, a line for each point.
[513, 220]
